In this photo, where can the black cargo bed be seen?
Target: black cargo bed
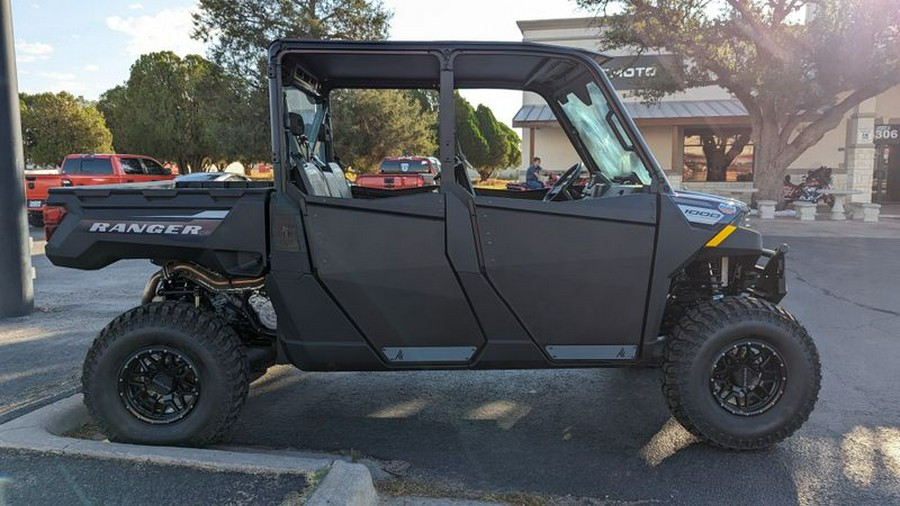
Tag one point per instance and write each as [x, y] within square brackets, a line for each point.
[221, 225]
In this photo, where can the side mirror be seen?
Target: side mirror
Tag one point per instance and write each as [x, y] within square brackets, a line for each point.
[167, 172]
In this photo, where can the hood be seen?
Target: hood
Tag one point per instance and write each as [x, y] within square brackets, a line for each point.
[711, 210]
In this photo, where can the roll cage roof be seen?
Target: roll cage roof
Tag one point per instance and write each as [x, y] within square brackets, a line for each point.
[328, 65]
[318, 67]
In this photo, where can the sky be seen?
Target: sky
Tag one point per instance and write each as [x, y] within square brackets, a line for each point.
[86, 47]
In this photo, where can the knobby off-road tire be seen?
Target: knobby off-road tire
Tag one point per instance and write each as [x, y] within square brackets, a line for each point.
[196, 353]
[715, 337]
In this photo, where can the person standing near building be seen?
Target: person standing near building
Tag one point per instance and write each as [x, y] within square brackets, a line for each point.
[532, 181]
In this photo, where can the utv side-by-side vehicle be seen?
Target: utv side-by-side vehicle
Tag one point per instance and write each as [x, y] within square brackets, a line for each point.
[622, 270]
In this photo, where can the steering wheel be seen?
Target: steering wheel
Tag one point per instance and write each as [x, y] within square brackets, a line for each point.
[562, 185]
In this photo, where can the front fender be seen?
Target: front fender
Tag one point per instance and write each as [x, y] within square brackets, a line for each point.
[770, 283]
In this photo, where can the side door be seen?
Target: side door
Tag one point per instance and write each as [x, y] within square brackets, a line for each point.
[385, 263]
[576, 270]
[575, 273]
[380, 264]
[132, 170]
[154, 170]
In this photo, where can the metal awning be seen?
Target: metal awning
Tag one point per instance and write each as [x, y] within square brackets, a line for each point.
[541, 115]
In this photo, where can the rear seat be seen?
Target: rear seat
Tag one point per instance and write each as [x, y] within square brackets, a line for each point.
[330, 182]
[318, 185]
[337, 182]
[311, 177]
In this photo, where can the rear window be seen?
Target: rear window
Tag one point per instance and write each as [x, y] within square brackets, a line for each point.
[71, 166]
[94, 166]
[405, 166]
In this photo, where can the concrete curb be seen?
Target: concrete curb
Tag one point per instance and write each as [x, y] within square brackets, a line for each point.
[40, 431]
[345, 485]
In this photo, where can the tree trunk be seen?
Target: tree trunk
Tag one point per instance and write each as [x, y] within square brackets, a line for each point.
[196, 163]
[768, 176]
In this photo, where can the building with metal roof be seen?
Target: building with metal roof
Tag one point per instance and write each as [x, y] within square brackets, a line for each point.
[701, 137]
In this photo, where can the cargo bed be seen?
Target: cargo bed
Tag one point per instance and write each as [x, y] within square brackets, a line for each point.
[221, 225]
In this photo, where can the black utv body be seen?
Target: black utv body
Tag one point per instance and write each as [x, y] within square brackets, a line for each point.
[312, 271]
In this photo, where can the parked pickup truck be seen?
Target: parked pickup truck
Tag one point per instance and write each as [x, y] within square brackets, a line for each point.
[84, 170]
[402, 172]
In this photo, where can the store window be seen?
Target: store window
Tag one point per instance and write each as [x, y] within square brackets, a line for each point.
[718, 154]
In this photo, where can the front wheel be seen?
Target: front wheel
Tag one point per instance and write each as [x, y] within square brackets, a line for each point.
[165, 373]
[740, 373]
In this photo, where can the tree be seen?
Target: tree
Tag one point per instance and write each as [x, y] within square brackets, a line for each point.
[55, 125]
[497, 142]
[514, 158]
[720, 150]
[174, 109]
[240, 31]
[797, 79]
[487, 143]
[469, 137]
[369, 125]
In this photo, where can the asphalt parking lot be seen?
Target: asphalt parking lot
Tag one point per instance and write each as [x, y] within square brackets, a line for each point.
[603, 434]
[42, 353]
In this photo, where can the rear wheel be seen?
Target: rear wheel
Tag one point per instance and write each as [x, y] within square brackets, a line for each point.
[165, 373]
[740, 373]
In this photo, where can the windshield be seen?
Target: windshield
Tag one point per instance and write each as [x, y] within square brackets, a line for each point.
[598, 127]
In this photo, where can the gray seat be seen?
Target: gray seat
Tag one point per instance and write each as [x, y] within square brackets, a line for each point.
[318, 185]
[311, 177]
[337, 182]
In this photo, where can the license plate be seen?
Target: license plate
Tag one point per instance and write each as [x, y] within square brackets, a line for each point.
[35, 203]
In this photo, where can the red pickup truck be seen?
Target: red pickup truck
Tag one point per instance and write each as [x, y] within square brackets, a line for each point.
[83, 170]
[402, 172]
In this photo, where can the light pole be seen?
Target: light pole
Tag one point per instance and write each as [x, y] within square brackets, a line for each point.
[16, 288]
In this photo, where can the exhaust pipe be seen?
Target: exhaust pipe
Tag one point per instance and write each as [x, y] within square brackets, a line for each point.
[212, 281]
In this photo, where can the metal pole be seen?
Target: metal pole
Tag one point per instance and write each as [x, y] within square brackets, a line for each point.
[16, 288]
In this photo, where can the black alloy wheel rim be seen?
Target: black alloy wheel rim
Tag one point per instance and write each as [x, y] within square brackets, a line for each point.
[748, 378]
[159, 385]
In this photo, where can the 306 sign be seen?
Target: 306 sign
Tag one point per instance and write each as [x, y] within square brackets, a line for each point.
[887, 134]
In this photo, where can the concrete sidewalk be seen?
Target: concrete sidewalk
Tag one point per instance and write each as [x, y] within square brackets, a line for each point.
[792, 227]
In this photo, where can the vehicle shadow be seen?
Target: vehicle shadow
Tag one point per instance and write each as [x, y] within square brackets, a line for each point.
[584, 432]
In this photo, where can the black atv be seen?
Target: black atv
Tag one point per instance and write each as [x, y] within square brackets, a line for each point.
[330, 277]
